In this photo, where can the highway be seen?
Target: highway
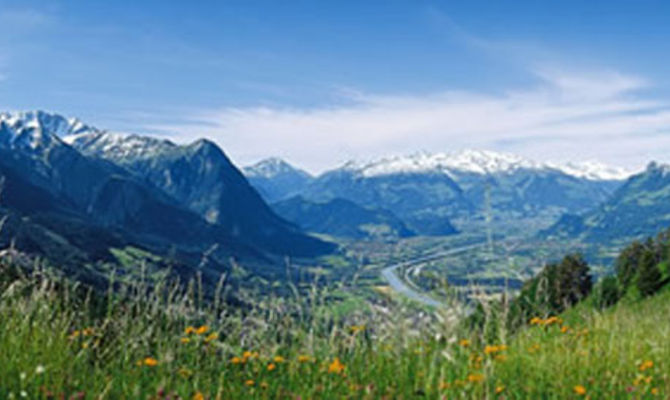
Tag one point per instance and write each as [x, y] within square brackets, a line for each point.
[400, 286]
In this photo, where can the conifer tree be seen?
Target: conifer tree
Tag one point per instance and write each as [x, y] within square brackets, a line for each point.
[649, 275]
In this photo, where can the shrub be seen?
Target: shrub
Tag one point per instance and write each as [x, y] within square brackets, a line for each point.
[608, 292]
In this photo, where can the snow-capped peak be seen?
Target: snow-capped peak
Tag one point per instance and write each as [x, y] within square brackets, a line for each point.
[43, 121]
[118, 146]
[36, 130]
[467, 161]
[270, 168]
[593, 170]
[481, 162]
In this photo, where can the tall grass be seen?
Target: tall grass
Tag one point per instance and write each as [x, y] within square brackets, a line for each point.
[59, 340]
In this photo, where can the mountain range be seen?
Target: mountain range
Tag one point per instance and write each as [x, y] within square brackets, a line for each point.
[92, 191]
[465, 186]
[82, 196]
[639, 208]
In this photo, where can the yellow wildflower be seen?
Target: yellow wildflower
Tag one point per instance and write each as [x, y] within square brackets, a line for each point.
[579, 390]
[202, 330]
[198, 396]
[184, 340]
[249, 382]
[272, 366]
[212, 336]
[565, 329]
[654, 391]
[279, 359]
[646, 365]
[494, 349]
[464, 343]
[444, 385]
[189, 330]
[500, 389]
[475, 378]
[150, 362]
[304, 359]
[336, 367]
[236, 360]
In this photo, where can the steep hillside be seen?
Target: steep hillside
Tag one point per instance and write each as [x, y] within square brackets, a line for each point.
[179, 202]
[640, 207]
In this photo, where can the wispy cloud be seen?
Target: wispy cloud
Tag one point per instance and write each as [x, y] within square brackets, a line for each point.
[566, 115]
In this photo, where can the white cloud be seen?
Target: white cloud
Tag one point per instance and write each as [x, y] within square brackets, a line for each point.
[566, 116]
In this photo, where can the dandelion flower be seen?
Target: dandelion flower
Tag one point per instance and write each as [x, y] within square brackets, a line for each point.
[500, 389]
[279, 359]
[198, 396]
[579, 390]
[304, 359]
[272, 367]
[475, 378]
[249, 382]
[464, 343]
[202, 330]
[184, 340]
[236, 360]
[189, 330]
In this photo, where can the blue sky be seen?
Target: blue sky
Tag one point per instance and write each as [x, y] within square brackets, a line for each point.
[320, 82]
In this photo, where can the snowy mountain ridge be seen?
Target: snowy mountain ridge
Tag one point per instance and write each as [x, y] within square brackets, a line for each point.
[480, 162]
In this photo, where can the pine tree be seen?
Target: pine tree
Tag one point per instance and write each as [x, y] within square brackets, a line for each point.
[627, 262]
[649, 275]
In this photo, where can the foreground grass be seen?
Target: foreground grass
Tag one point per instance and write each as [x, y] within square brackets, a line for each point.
[55, 344]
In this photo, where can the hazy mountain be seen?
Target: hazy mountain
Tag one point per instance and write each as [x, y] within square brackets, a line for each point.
[343, 218]
[275, 179]
[640, 207]
[468, 184]
[143, 191]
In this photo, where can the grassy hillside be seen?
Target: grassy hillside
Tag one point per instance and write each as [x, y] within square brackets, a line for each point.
[59, 339]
